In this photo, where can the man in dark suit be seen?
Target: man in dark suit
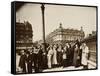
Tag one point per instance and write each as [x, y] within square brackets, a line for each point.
[30, 61]
[23, 61]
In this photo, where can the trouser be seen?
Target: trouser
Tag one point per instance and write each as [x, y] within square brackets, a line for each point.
[30, 67]
[24, 70]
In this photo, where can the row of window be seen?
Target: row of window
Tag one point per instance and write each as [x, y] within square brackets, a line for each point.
[64, 37]
[24, 41]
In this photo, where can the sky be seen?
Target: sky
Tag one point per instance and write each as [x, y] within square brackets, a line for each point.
[70, 17]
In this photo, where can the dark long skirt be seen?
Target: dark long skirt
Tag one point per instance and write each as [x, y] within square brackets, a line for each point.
[36, 65]
[59, 58]
[44, 62]
[75, 62]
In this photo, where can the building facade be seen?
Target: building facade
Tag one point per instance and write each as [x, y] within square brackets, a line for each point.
[62, 35]
[24, 34]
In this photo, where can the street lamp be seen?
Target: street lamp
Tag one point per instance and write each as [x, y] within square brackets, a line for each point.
[43, 23]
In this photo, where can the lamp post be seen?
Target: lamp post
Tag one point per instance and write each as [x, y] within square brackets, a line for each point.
[43, 23]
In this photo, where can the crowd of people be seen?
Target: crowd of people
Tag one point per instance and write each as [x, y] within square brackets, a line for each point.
[56, 55]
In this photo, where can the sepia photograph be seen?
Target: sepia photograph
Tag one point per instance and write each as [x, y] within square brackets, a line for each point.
[55, 37]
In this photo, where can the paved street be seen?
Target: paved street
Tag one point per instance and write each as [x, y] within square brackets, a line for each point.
[60, 69]
[63, 69]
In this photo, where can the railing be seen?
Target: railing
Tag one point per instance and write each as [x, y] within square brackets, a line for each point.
[92, 59]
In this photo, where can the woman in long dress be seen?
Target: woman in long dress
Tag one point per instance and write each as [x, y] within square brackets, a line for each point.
[49, 56]
[76, 55]
[54, 55]
[67, 52]
[64, 56]
[59, 56]
[36, 64]
[85, 52]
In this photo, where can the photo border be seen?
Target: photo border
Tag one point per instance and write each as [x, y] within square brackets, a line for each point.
[13, 35]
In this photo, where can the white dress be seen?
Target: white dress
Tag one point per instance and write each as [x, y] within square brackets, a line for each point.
[85, 52]
[50, 53]
[54, 56]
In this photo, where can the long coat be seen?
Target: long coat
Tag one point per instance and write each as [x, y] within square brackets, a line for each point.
[85, 52]
[68, 54]
[54, 56]
[29, 62]
[76, 54]
[23, 60]
[59, 57]
[40, 59]
[49, 56]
